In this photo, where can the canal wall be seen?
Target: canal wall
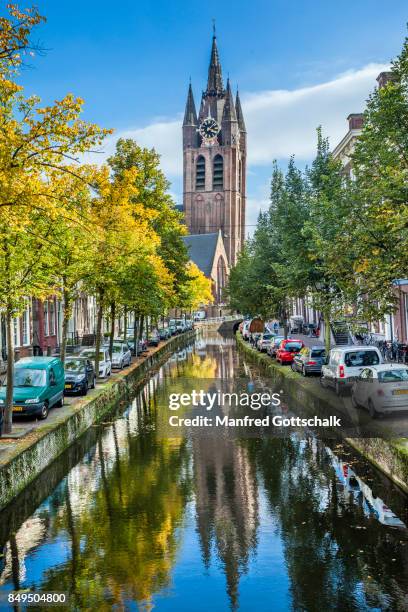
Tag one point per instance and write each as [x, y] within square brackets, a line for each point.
[38, 449]
[388, 455]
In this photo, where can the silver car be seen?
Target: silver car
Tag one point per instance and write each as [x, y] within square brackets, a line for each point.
[264, 341]
[121, 355]
[381, 389]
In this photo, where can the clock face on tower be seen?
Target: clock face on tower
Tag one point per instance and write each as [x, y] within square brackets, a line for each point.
[209, 128]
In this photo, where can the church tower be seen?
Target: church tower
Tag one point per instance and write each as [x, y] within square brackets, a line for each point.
[214, 162]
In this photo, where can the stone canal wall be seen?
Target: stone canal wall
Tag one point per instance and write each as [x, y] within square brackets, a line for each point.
[388, 455]
[43, 445]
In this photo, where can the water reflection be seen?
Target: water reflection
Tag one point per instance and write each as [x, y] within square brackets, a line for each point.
[178, 524]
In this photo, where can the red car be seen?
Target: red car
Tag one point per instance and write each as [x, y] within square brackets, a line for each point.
[288, 349]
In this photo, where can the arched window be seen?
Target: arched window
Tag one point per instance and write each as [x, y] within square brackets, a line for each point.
[218, 172]
[200, 173]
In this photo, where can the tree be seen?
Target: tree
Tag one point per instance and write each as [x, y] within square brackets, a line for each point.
[379, 217]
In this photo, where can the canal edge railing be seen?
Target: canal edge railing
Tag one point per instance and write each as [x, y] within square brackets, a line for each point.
[45, 444]
[390, 456]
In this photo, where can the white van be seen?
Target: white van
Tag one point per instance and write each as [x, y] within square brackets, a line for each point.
[345, 364]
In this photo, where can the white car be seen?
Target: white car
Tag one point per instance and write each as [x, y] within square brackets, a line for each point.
[105, 364]
[345, 364]
[382, 389]
[121, 355]
[264, 341]
[245, 330]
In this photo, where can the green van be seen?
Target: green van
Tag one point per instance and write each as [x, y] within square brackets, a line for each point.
[38, 386]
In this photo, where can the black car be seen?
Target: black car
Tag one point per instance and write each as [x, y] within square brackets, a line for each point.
[309, 360]
[79, 375]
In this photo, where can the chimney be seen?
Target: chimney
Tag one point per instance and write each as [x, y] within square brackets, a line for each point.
[384, 78]
[355, 121]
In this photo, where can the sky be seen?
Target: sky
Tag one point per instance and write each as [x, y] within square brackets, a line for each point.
[298, 64]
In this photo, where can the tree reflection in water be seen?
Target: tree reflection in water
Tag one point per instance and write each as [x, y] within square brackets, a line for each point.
[137, 512]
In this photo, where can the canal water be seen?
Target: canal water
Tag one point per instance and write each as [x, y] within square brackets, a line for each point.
[130, 520]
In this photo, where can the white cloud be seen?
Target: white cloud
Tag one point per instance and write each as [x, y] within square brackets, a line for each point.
[282, 123]
[279, 123]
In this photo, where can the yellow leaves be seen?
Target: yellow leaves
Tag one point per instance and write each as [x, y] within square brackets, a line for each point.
[362, 266]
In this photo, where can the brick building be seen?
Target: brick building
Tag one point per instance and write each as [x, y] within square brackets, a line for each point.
[214, 167]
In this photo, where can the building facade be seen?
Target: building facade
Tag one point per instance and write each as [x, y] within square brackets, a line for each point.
[214, 162]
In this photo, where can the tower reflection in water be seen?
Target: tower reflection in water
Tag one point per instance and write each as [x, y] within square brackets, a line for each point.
[209, 522]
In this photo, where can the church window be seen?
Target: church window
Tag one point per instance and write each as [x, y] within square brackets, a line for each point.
[200, 173]
[218, 172]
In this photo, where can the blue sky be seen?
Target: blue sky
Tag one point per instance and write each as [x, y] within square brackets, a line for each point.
[298, 63]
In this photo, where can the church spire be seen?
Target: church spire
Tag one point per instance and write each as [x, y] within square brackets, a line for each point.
[214, 85]
[240, 115]
[229, 107]
[190, 115]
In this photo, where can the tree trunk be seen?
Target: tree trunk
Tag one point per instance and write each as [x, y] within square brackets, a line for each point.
[112, 329]
[98, 332]
[135, 335]
[65, 321]
[327, 338]
[8, 408]
[141, 322]
[125, 323]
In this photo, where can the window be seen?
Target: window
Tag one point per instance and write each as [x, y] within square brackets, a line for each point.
[46, 321]
[218, 172]
[52, 377]
[393, 376]
[200, 173]
[16, 330]
[361, 358]
[52, 317]
[25, 319]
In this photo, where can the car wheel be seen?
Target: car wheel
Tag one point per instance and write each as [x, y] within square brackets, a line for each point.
[85, 389]
[372, 410]
[60, 402]
[323, 382]
[43, 413]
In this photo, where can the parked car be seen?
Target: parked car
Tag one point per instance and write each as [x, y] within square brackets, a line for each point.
[345, 363]
[273, 347]
[121, 355]
[381, 389]
[173, 330]
[295, 324]
[79, 375]
[309, 360]
[105, 364]
[154, 339]
[287, 350]
[264, 341]
[38, 386]
[164, 333]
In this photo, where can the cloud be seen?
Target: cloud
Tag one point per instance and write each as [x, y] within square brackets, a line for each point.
[282, 123]
[279, 122]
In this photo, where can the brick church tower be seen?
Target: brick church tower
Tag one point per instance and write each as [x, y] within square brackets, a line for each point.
[214, 156]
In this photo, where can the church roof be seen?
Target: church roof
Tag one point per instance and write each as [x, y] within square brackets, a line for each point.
[240, 115]
[229, 107]
[190, 115]
[214, 83]
[201, 249]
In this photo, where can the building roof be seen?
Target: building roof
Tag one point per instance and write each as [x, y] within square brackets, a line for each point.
[214, 85]
[201, 249]
[190, 114]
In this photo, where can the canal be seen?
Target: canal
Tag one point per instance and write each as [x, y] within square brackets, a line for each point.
[132, 520]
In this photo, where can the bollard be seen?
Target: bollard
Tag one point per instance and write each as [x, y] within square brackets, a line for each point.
[16, 354]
